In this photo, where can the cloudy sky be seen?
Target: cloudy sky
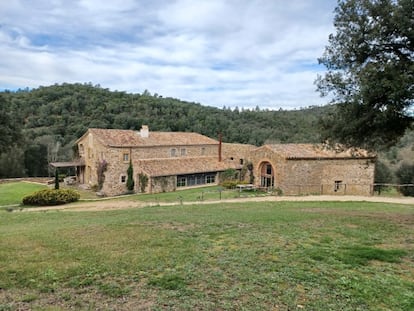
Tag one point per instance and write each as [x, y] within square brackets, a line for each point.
[243, 53]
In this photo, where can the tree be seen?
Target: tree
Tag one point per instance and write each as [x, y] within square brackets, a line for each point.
[143, 181]
[35, 160]
[405, 175]
[383, 174]
[56, 178]
[130, 177]
[12, 163]
[370, 72]
[10, 131]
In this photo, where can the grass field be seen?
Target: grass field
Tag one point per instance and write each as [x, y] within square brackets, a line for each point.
[196, 194]
[13, 193]
[244, 256]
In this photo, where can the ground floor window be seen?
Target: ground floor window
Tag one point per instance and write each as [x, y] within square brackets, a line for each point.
[338, 184]
[210, 179]
[181, 181]
[196, 179]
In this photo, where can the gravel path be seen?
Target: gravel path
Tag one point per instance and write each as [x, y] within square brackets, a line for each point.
[105, 205]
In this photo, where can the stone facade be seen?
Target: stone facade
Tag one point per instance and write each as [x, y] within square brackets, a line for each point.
[174, 160]
[161, 157]
[313, 172]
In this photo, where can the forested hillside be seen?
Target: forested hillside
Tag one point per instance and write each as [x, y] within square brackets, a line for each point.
[50, 119]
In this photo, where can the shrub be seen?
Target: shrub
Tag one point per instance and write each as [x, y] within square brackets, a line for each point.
[405, 175]
[51, 197]
[143, 182]
[230, 184]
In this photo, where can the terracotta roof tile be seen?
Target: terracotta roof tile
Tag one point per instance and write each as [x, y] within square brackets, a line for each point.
[181, 166]
[130, 138]
[299, 151]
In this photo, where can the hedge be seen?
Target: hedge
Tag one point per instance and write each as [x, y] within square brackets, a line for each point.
[51, 197]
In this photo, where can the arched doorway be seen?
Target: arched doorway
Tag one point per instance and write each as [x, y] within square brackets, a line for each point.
[267, 177]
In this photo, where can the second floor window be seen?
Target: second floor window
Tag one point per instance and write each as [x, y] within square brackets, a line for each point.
[173, 152]
[125, 157]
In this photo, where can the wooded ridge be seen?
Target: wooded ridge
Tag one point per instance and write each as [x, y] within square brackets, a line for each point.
[51, 118]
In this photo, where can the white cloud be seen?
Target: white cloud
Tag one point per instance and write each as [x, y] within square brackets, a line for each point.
[218, 52]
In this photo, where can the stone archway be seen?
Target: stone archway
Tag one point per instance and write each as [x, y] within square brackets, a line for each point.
[267, 175]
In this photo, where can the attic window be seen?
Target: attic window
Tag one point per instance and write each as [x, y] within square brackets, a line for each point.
[81, 149]
[173, 152]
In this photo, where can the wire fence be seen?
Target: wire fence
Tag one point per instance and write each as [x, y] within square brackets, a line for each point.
[391, 190]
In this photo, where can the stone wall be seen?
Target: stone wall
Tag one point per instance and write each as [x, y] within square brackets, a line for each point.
[316, 176]
[162, 184]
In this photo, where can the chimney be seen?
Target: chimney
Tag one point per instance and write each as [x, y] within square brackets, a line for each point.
[144, 132]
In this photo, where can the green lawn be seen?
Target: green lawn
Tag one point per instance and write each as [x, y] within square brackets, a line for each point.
[244, 256]
[195, 194]
[13, 193]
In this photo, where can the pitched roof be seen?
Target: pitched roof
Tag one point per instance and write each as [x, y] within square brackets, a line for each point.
[317, 151]
[130, 138]
[181, 166]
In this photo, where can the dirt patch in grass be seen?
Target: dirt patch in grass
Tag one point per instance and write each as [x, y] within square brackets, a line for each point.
[86, 298]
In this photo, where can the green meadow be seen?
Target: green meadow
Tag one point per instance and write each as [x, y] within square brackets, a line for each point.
[13, 193]
[229, 256]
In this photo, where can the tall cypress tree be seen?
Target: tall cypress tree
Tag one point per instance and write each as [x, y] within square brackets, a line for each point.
[56, 179]
[130, 179]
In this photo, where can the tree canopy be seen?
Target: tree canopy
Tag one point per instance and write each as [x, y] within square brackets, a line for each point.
[370, 72]
[10, 130]
[51, 118]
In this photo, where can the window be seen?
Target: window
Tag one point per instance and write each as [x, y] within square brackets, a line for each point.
[173, 152]
[125, 157]
[183, 151]
[81, 149]
[338, 184]
[203, 150]
[241, 161]
[123, 179]
[181, 181]
[268, 169]
[210, 179]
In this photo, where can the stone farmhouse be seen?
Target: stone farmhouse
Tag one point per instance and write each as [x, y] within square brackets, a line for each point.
[167, 161]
